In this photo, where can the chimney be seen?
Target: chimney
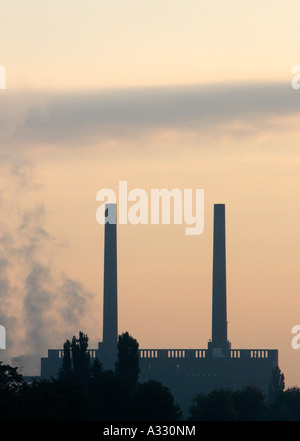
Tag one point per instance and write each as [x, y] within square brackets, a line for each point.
[219, 346]
[108, 347]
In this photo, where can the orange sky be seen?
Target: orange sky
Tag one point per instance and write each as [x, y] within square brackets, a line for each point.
[92, 98]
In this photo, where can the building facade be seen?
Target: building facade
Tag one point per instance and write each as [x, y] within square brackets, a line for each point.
[185, 372]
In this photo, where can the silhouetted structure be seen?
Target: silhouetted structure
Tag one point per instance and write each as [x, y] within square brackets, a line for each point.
[185, 371]
[219, 344]
[108, 347]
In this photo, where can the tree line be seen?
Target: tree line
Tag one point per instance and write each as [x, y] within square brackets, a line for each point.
[84, 391]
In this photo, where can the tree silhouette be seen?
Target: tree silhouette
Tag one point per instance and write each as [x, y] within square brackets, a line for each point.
[80, 358]
[54, 400]
[286, 406]
[76, 360]
[96, 370]
[127, 365]
[277, 383]
[9, 377]
[65, 371]
[11, 384]
[108, 396]
[153, 402]
[249, 404]
[216, 406]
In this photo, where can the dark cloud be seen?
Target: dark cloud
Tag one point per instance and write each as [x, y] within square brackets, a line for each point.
[71, 119]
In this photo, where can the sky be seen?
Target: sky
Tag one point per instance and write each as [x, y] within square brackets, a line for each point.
[163, 94]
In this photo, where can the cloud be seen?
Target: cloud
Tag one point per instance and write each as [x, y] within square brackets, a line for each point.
[38, 301]
[7, 315]
[83, 118]
[41, 306]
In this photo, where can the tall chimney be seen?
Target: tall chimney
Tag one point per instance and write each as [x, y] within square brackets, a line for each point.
[219, 346]
[108, 347]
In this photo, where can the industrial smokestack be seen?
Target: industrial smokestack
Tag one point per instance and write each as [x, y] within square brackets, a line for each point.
[108, 348]
[219, 345]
